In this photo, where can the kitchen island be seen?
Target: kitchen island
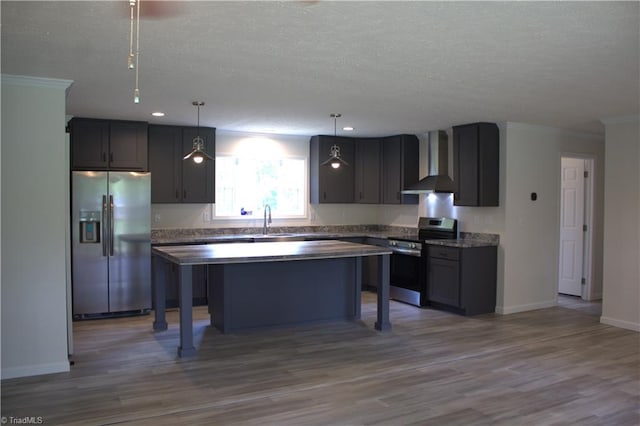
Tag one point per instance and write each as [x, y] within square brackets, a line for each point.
[270, 284]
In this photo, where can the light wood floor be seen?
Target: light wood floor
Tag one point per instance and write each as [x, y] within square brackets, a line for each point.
[556, 366]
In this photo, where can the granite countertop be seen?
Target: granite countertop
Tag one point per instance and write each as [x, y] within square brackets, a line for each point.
[250, 235]
[462, 243]
[199, 254]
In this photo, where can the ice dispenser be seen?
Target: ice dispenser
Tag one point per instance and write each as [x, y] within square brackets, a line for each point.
[90, 227]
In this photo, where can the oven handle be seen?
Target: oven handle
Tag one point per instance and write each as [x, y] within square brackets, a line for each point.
[407, 252]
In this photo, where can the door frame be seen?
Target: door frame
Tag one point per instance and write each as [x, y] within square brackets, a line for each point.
[587, 250]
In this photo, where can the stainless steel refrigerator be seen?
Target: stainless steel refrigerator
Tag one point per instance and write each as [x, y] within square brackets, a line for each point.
[111, 242]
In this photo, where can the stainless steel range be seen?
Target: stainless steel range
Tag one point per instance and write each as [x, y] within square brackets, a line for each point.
[408, 271]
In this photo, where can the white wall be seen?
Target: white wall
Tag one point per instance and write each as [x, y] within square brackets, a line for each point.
[621, 298]
[196, 215]
[531, 242]
[35, 226]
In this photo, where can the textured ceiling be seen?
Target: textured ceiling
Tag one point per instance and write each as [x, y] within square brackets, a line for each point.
[388, 67]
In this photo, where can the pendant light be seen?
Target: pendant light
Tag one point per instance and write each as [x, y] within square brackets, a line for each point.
[334, 159]
[133, 60]
[197, 154]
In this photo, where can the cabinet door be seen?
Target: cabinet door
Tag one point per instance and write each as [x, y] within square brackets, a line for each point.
[444, 281]
[367, 171]
[488, 164]
[198, 179]
[399, 168]
[391, 170]
[476, 164]
[89, 144]
[165, 163]
[334, 185]
[128, 147]
[465, 164]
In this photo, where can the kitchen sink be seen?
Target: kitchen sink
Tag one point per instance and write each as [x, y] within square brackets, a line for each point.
[278, 237]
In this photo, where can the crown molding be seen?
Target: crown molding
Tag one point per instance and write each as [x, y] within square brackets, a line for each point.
[23, 80]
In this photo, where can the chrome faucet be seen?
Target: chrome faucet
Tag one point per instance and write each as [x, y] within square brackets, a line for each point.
[265, 226]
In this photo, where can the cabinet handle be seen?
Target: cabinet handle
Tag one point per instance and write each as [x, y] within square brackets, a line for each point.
[177, 194]
[184, 194]
[104, 225]
[361, 195]
[104, 157]
[112, 213]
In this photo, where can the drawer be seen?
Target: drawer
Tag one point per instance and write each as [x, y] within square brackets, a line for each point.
[442, 252]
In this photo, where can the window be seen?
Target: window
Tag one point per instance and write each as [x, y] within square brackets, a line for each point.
[245, 184]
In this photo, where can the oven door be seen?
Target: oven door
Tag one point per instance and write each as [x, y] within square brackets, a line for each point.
[406, 278]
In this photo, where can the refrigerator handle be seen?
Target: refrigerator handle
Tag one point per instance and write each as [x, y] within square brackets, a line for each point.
[111, 221]
[104, 228]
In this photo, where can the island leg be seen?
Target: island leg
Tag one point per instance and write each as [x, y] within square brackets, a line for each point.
[383, 323]
[159, 283]
[186, 347]
[357, 298]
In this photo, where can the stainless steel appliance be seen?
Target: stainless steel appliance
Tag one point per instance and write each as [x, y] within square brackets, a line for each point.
[111, 243]
[408, 271]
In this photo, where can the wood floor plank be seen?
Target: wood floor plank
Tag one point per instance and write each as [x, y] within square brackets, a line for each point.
[556, 366]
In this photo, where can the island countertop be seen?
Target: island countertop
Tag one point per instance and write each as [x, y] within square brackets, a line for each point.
[225, 253]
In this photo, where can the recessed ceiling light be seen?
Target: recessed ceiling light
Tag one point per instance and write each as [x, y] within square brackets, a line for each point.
[348, 129]
[158, 114]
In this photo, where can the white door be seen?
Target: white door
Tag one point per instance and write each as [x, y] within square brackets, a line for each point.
[571, 226]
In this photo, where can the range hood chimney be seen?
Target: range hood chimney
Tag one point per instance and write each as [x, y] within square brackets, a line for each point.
[438, 179]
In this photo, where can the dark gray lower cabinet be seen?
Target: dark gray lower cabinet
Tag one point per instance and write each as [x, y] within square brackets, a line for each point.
[267, 294]
[462, 279]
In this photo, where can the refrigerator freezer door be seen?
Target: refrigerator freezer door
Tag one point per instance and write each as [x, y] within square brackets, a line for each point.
[90, 261]
[130, 245]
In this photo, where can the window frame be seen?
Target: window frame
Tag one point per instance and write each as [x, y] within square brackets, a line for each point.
[258, 214]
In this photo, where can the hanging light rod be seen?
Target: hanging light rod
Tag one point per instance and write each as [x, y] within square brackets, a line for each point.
[198, 154]
[133, 60]
[334, 160]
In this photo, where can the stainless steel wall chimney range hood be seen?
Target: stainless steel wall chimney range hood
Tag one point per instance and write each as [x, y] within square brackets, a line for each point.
[438, 179]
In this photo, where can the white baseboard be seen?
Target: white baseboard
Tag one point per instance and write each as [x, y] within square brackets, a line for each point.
[35, 370]
[634, 326]
[506, 310]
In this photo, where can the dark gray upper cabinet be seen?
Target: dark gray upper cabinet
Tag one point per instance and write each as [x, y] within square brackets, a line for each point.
[108, 144]
[174, 180]
[367, 171]
[329, 185]
[399, 168]
[476, 164]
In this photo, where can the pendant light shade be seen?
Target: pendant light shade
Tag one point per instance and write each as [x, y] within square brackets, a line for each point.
[334, 160]
[198, 154]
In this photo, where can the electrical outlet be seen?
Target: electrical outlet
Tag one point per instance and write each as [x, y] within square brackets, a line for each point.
[206, 216]
[156, 218]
